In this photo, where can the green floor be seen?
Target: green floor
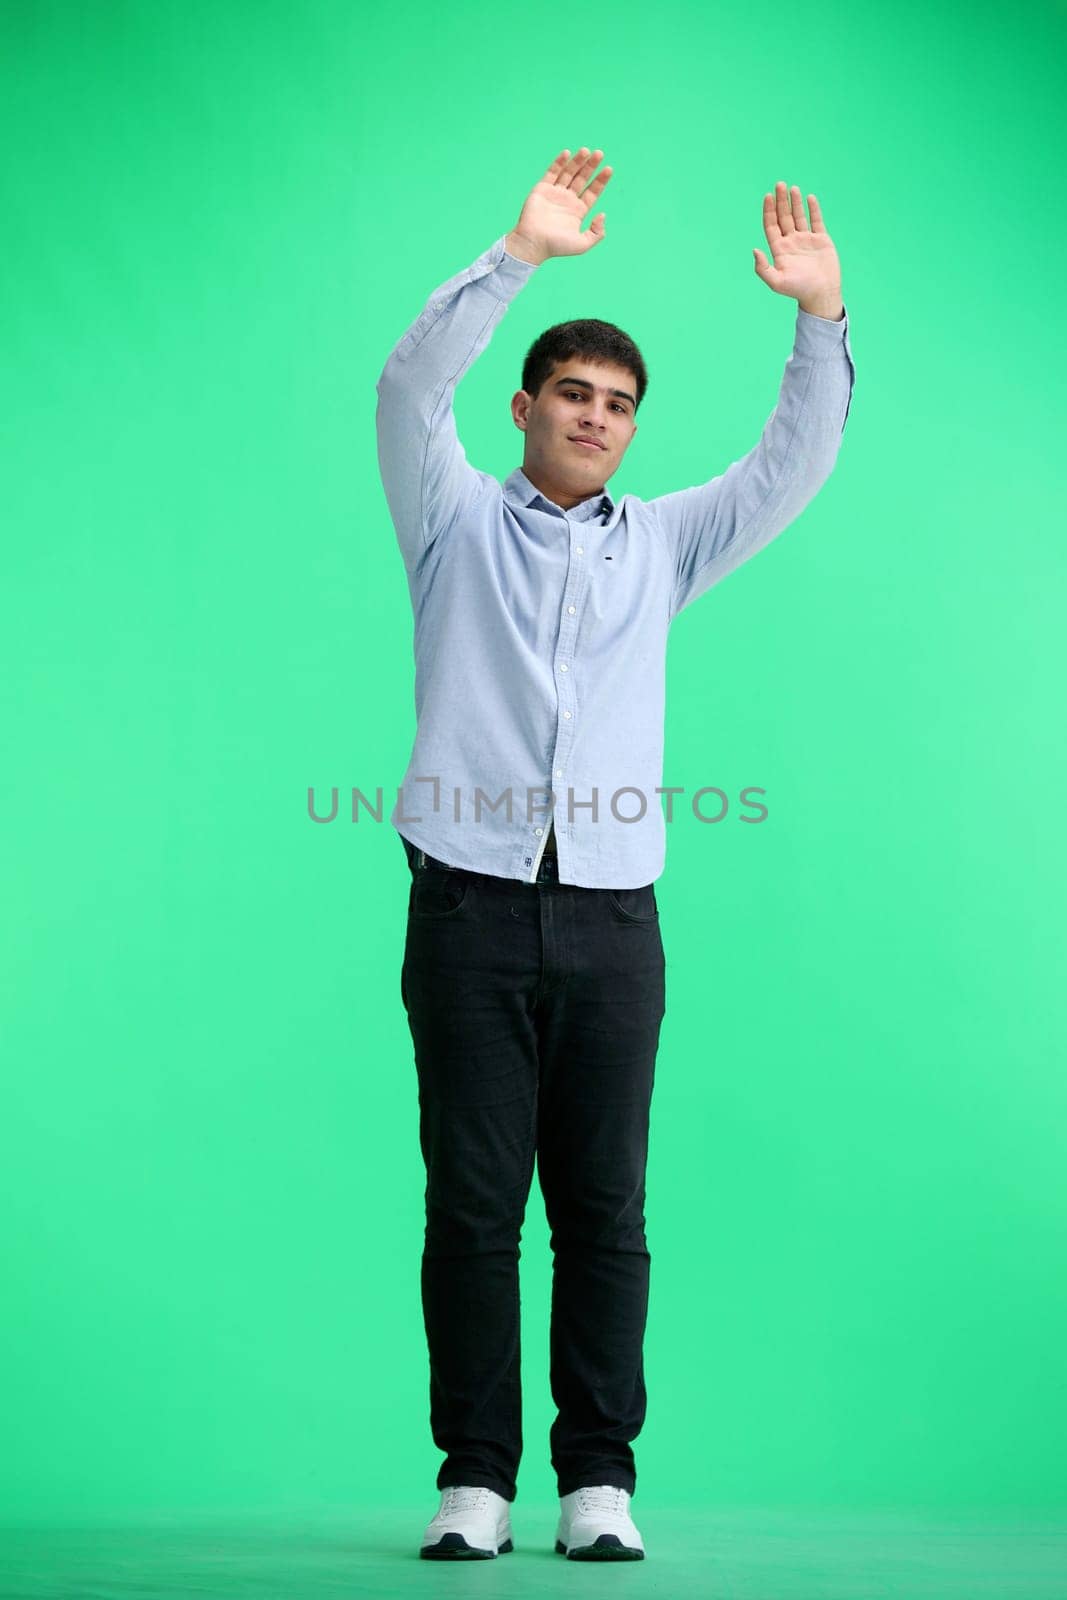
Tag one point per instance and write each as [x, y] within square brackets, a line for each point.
[736, 1555]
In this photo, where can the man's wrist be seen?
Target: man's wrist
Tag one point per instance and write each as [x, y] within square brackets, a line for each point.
[831, 307]
[516, 245]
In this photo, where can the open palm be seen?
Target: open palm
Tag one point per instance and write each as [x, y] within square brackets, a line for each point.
[805, 261]
[558, 203]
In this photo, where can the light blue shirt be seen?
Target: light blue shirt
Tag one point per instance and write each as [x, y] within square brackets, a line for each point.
[540, 634]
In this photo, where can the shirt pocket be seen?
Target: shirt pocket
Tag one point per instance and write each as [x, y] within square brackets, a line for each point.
[607, 606]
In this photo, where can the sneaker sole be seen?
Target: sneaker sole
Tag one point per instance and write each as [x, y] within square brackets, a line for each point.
[608, 1547]
[454, 1547]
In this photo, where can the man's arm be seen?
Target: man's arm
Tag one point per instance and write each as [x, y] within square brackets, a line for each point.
[717, 525]
[427, 480]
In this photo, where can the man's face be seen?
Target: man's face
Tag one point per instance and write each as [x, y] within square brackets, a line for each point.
[578, 400]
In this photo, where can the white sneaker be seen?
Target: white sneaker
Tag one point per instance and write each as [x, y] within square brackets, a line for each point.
[595, 1525]
[473, 1523]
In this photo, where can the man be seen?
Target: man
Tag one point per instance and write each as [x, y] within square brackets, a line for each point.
[533, 972]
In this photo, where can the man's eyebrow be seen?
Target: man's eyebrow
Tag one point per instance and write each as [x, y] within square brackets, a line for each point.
[587, 385]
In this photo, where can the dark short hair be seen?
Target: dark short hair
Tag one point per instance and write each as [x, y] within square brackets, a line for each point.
[589, 338]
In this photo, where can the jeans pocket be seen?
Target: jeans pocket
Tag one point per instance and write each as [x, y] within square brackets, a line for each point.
[634, 905]
[439, 892]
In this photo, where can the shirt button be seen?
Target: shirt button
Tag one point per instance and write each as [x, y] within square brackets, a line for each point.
[571, 610]
[563, 666]
[539, 830]
[581, 552]
[566, 713]
[559, 772]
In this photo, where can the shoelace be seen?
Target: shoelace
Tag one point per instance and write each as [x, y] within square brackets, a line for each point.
[603, 1497]
[464, 1497]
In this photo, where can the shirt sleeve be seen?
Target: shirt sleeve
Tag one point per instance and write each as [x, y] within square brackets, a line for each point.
[715, 526]
[428, 482]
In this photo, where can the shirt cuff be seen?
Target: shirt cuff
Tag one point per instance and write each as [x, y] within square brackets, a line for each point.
[510, 272]
[827, 322]
[819, 336]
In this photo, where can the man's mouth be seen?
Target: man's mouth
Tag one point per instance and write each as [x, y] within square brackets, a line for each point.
[590, 444]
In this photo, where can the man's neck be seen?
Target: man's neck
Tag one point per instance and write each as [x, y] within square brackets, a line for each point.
[566, 502]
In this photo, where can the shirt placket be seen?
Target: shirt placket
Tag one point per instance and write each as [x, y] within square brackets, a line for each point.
[563, 677]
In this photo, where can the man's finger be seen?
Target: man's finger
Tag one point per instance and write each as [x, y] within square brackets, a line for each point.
[586, 163]
[770, 223]
[764, 268]
[595, 189]
[556, 166]
[565, 176]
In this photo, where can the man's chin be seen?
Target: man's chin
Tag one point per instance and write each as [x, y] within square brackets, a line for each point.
[593, 468]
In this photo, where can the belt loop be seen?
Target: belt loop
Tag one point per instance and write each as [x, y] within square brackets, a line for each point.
[422, 857]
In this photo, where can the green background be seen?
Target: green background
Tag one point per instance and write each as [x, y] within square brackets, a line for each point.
[217, 221]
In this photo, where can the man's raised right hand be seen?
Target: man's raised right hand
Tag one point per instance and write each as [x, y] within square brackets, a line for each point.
[550, 221]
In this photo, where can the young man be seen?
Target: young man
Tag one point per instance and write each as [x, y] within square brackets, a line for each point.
[533, 972]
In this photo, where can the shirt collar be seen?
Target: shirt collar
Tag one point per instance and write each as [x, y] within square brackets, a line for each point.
[518, 487]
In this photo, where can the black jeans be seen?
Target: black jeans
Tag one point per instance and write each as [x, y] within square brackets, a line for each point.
[535, 1013]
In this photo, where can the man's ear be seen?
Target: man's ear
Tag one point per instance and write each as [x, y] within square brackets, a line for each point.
[520, 408]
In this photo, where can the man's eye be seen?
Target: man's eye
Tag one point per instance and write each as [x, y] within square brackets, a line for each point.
[575, 394]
